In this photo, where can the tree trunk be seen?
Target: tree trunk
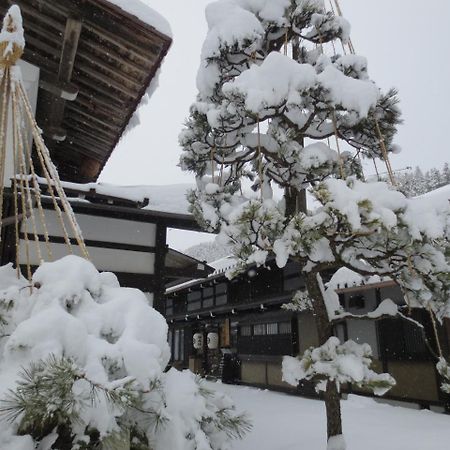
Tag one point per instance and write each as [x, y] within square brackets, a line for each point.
[325, 331]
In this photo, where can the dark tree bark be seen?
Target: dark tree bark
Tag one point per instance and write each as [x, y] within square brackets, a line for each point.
[325, 331]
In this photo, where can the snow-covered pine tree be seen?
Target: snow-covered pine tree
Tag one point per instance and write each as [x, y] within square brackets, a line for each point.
[82, 367]
[417, 183]
[446, 174]
[276, 103]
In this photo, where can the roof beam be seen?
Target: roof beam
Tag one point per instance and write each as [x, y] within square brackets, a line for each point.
[68, 53]
[66, 91]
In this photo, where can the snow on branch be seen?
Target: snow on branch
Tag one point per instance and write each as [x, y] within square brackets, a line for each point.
[340, 363]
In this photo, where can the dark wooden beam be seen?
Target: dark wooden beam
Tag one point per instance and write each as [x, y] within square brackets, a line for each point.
[61, 89]
[107, 81]
[104, 123]
[68, 53]
[73, 129]
[76, 121]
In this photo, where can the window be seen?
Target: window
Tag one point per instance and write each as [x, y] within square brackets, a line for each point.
[182, 344]
[284, 328]
[357, 302]
[169, 306]
[208, 292]
[208, 297]
[169, 340]
[259, 329]
[272, 328]
[400, 340]
[176, 346]
[221, 294]
[194, 300]
[246, 330]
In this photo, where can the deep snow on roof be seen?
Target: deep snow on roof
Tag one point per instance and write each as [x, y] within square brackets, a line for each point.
[142, 10]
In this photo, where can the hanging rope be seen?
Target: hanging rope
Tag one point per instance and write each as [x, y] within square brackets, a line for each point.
[285, 43]
[336, 136]
[392, 180]
[259, 162]
[385, 153]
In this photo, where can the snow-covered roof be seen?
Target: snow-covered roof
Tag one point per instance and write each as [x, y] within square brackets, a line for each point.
[345, 278]
[142, 10]
[166, 198]
[220, 266]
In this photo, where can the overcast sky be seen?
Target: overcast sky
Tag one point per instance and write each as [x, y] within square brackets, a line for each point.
[407, 43]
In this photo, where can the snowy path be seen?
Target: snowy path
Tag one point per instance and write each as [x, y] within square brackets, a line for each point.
[284, 422]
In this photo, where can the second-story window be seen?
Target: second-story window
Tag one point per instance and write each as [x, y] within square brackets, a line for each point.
[208, 297]
[221, 294]
[194, 300]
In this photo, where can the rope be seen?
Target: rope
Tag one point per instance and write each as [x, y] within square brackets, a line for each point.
[436, 334]
[37, 190]
[18, 145]
[336, 136]
[260, 165]
[54, 174]
[377, 125]
[4, 89]
[385, 153]
[339, 11]
[286, 43]
[213, 149]
[50, 186]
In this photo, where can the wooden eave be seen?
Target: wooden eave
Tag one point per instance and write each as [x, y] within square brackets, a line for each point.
[103, 56]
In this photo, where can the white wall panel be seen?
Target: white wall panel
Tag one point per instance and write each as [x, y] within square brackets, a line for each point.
[104, 229]
[104, 259]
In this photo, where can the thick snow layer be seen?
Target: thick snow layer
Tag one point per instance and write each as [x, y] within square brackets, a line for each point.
[165, 198]
[276, 80]
[352, 94]
[141, 10]
[284, 422]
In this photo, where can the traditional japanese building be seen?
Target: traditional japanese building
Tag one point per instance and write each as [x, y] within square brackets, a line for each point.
[87, 66]
[216, 322]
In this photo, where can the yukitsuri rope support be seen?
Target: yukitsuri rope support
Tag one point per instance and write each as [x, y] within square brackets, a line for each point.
[27, 198]
[380, 136]
[393, 182]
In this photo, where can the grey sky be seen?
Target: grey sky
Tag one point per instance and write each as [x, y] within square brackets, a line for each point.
[407, 43]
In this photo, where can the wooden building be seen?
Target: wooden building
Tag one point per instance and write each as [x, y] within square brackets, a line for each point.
[214, 317]
[86, 68]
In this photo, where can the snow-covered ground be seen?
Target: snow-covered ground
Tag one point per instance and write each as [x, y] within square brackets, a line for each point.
[286, 422]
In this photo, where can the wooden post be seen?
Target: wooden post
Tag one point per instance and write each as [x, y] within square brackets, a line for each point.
[160, 263]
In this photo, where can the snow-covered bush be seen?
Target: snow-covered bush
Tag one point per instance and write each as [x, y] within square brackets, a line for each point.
[82, 363]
